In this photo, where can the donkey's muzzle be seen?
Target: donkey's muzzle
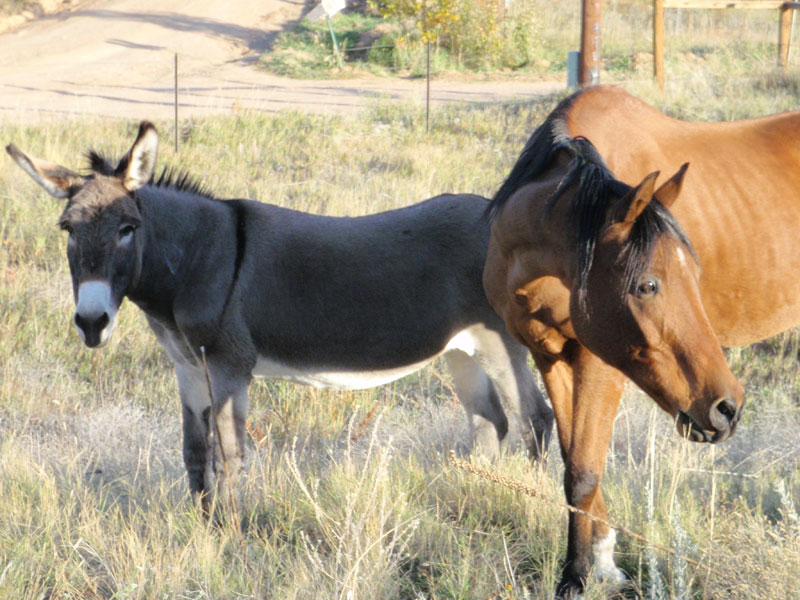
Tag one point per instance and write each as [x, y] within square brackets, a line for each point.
[92, 327]
[95, 313]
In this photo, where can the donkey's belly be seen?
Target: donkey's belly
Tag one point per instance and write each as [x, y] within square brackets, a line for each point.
[323, 377]
[354, 378]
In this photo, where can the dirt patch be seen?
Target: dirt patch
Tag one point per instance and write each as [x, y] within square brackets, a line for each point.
[115, 58]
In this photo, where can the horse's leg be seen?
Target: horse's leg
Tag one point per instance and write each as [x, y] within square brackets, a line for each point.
[558, 381]
[487, 421]
[585, 401]
[596, 395]
[506, 363]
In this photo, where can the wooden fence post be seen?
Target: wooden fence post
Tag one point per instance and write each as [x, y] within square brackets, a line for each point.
[658, 42]
[589, 68]
[785, 34]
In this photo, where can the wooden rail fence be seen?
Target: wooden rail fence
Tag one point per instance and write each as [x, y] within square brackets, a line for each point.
[786, 11]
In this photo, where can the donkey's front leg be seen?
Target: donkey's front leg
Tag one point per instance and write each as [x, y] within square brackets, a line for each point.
[231, 404]
[196, 410]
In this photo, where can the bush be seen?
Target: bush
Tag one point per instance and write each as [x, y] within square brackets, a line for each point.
[477, 34]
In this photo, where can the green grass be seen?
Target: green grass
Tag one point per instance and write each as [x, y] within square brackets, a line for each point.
[308, 50]
[12, 7]
[93, 498]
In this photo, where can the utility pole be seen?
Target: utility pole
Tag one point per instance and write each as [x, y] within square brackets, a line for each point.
[589, 67]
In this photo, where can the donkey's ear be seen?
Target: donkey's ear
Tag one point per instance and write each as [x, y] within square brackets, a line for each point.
[57, 180]
[634, 202]
[670, 189]
[136, 168]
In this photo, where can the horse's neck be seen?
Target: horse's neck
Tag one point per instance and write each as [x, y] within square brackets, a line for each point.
[539, 234]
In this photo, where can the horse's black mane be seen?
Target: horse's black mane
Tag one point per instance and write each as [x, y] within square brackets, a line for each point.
[170, 178]
[595, 186]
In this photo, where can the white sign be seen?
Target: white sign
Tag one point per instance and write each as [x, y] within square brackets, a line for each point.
[331, 7]
[326, 8]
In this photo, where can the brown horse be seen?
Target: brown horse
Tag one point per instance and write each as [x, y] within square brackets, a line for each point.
[600, 281]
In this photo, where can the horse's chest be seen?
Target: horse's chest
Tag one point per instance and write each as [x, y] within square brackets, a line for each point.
[542, 315]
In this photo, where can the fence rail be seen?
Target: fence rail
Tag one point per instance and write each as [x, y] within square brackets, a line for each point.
[785, 15]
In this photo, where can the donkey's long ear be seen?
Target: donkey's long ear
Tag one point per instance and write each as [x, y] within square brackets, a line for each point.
[670, 189]
[634, 202]
[57, 180]
[136, 168]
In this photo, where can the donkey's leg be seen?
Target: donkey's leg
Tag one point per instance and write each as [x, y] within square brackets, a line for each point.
[506, 363]
[231, 404]
[487, 421]
[196, 409]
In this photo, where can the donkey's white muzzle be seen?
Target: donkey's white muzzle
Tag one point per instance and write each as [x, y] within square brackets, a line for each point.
[95, 313]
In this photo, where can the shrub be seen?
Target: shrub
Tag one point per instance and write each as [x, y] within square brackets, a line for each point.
[475, 33]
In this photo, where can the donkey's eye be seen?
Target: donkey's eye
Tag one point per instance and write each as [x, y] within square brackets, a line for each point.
[125, 232]
[647, 287]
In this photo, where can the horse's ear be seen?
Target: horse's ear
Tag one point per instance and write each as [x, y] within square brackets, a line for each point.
[136, 168]
[57, 180]
[635, 201]
[670, 189]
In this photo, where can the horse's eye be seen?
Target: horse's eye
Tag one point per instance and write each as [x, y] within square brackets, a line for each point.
[647, 287]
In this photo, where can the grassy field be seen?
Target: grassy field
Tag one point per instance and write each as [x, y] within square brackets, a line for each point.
[350, 494]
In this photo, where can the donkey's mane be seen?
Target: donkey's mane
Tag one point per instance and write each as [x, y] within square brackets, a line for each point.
[596, 186]
[179, 181]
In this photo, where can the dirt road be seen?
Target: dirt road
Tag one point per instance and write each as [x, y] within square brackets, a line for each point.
[115, 58]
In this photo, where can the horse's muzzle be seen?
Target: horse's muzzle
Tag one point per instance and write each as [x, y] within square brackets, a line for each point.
[723, 416]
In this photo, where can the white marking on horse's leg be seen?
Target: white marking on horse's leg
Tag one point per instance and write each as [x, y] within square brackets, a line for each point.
[488, 424]
[604, 566]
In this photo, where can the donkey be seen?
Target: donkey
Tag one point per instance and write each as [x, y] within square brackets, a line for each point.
[271, 292]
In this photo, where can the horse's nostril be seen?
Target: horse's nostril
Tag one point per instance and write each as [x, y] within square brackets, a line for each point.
[728, 409]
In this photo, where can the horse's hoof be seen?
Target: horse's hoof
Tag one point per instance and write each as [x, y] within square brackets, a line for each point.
[610, 575]
[569, 588]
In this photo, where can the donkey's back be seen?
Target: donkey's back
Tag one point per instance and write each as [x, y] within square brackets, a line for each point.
[365, 293]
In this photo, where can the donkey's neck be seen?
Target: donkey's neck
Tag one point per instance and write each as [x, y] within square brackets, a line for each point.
[182, 236]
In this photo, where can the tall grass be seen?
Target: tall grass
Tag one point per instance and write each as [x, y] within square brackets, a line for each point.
[347, 495]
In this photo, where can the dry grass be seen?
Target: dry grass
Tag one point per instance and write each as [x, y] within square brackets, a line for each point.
[339, 504]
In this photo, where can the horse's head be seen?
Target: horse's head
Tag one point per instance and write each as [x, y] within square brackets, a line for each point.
[636, 303]
[101, 216]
